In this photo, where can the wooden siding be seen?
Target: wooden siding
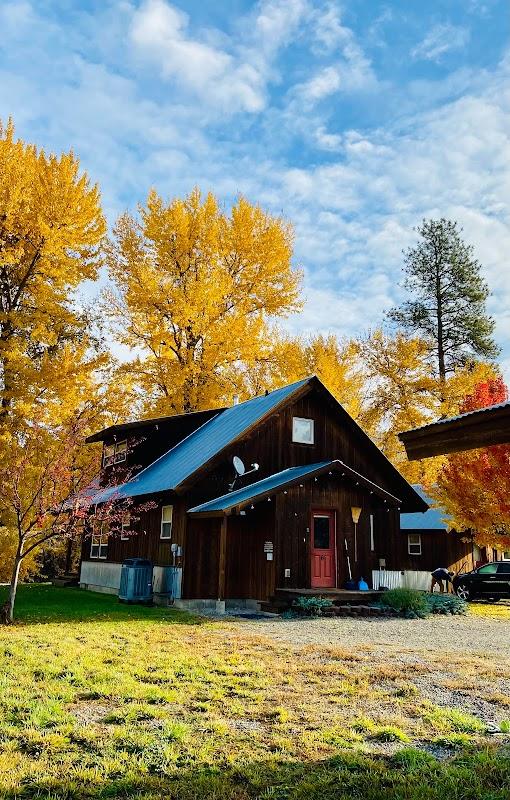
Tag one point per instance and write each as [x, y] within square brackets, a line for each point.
[294, 515]
[438, 549]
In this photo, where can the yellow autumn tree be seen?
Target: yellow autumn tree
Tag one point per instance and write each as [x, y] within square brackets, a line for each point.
[51, 229]
[400, 392]
[194, 288]
[285, 359]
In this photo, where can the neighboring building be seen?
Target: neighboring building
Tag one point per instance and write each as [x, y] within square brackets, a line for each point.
[425, 543]
[480, 428]
[288, 524]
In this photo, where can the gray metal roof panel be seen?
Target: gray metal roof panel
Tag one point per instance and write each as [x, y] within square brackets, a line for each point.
[430, 520]
[262, 487]
[446, 420]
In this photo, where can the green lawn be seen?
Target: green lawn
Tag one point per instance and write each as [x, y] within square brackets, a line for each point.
[101, 700]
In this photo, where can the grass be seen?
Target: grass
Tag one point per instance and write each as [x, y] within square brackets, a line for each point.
[101, 700]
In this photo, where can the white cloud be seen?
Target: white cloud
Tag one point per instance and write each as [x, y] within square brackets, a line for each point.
[160, 32]
[439, 40]
[228, 73]
[326, 82]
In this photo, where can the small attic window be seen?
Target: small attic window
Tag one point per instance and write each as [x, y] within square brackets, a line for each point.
[302, 430]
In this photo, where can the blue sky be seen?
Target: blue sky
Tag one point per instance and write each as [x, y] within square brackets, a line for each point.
[353, 119]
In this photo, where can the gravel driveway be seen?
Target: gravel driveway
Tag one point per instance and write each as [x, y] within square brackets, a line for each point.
[438, 647]
[470, 635]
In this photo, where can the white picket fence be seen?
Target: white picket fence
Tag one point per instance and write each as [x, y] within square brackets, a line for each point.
[393, 579]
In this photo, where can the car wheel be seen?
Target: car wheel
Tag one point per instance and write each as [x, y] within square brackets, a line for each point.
[463, 591]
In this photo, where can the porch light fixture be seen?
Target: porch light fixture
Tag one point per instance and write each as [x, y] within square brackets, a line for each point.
[355, 513]
[252, 506]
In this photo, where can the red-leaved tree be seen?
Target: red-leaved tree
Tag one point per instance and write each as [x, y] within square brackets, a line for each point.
[474, 486]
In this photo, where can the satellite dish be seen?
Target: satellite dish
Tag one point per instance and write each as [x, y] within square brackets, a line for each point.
[238, 465]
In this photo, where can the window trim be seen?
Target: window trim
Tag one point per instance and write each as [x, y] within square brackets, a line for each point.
[125, 523]
[414, 544]
[505, 556]
[115, 456]
[166, 522]
[311, 422]
[99, 540]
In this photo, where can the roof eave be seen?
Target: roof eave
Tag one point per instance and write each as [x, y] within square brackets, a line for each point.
[335, 465]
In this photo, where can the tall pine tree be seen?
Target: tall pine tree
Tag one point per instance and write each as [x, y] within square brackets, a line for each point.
[448, 298]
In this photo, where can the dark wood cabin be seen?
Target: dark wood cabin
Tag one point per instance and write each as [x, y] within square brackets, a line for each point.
[287, 523]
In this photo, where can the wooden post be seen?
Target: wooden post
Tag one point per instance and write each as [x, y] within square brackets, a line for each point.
[222, 558]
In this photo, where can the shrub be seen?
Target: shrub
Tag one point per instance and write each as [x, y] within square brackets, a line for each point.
[445, 604]
[405, 601]
[310, 606]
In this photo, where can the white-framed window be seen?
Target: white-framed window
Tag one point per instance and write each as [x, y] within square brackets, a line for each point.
[99, 543]
[166, 522]
[124, 526]
[302, 430]
[506, 555]
[372, 541]
[115, 453]
[414, 544]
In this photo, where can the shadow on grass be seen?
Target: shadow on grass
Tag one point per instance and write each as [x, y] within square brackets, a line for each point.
[45, 603]
[409, 775]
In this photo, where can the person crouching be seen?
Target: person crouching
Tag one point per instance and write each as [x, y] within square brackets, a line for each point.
[442, 578]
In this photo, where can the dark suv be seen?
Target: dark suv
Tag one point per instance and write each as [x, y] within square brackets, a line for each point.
[490, 580]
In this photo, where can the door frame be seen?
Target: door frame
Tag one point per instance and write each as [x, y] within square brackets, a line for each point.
[332, 514]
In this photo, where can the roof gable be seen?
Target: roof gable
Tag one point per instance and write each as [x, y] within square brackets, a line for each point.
[196, 450]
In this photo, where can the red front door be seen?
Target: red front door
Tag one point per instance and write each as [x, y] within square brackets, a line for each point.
[323, 550]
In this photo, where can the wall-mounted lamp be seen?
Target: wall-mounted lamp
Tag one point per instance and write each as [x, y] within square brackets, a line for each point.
[355, 513]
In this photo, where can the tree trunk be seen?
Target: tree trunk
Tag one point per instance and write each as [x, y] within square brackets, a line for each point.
[7, 610]
[440, 336]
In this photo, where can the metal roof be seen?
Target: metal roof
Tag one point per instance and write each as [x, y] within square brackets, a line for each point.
[430, 520]
[446, 420]
[193, 452]
[263, 487]
[122, 427]
[280, 480]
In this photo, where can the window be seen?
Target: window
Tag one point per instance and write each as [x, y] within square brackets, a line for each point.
[504, 568]
[302, 430]
[99, 543]
[488, 569]
[124, 526]
[115, 453]
[414, 544]
[120, 451]
[108, 455]
[166, 522]
[506, 555]
[372, 542]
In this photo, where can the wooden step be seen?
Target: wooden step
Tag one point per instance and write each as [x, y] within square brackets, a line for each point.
[274, 606]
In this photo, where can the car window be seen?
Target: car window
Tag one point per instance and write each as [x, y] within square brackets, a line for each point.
[488, 569]
[504, 568]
